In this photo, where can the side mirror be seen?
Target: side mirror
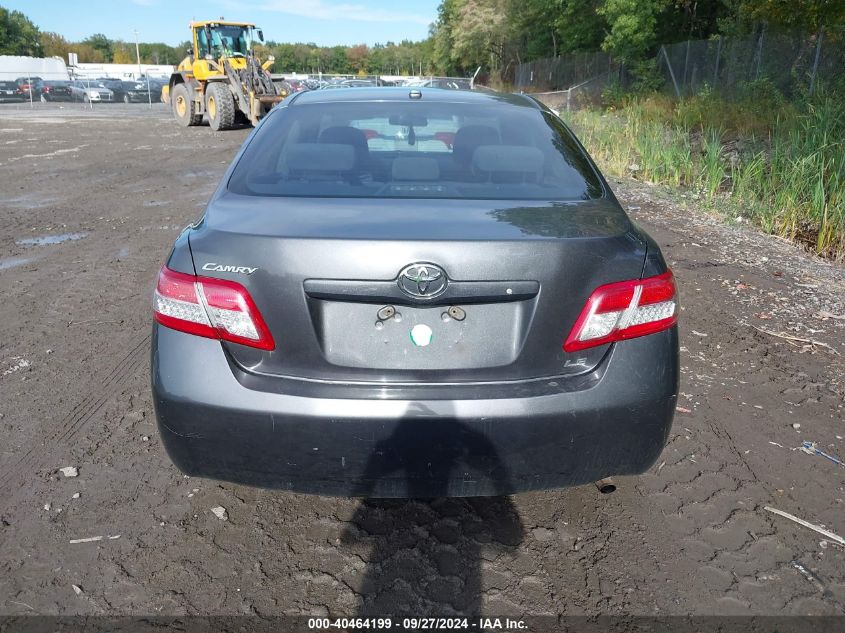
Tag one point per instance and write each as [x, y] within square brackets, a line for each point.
[260, 36]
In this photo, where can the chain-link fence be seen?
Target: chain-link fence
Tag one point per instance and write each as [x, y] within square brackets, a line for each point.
[794, 63]
[564, 72]
[569, 82]
[583, 95]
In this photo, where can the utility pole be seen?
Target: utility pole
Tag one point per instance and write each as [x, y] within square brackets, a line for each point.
[137, 52]
[138, 57]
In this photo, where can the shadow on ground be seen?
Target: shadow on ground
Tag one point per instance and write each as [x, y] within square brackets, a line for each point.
[425, 553]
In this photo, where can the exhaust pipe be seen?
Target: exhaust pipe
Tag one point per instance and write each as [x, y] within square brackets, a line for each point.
[606, 485]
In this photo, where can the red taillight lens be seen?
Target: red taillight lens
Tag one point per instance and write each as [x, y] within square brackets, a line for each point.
[624, 310]
[214, 308]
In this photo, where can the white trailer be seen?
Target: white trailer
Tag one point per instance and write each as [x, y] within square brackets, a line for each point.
[127, 72]
[51, 68]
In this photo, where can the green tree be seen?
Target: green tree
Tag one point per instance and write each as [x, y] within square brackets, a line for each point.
[18, 35]
[801, 14]
[160, 53]
[54, 45]
[338, 60]
[633, 26]
[441, 33]
[482, 34]
[102, 45]
[123, 53]
[578, 25]
[87, 53]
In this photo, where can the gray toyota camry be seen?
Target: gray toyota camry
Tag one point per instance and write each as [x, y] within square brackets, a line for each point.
[414, 293]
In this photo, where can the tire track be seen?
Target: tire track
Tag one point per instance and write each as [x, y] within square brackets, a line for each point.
[77, 419]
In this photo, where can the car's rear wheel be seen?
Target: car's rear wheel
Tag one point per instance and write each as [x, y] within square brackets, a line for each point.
[184, 107]
[220, 106]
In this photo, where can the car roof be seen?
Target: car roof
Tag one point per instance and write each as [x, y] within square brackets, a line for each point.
[443, 95]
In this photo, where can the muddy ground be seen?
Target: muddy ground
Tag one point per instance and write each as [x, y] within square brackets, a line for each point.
[689, 537]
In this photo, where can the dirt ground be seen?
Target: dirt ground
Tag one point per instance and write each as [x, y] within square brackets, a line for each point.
[689, 537]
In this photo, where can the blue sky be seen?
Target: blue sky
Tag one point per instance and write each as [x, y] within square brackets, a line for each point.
[322, 21]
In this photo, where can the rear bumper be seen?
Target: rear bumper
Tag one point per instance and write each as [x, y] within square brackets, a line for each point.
[615, 423]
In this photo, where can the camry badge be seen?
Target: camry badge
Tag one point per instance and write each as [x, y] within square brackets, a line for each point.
[423, 281]
[220, 268]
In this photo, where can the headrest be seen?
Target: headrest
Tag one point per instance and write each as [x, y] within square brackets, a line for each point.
[469, 137]
[415, 168]
[343, 134]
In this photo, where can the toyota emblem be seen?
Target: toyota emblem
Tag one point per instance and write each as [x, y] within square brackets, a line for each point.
[423, 281]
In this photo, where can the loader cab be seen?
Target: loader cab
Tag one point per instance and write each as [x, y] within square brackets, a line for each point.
[223, 41]
[215, 40]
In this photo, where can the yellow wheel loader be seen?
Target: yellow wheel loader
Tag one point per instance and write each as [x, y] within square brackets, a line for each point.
[222, 78]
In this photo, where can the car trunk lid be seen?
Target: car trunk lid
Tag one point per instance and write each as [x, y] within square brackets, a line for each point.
[327, 277]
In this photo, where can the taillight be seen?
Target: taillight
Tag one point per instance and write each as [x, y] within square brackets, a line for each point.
[624, 310]
[214, 308]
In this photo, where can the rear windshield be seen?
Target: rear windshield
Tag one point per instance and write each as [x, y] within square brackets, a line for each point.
[415, 150]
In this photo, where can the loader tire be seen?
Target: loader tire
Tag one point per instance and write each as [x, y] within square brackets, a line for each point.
[184, 107]
[220, 106]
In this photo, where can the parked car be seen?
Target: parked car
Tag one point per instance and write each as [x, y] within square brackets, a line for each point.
[137, 91]
[156, 85]
[358, 83]
[397, 317]
[90, 91]
[128, 91]
[450, 83]
[9, 91]
[55, 91]
[28, 86]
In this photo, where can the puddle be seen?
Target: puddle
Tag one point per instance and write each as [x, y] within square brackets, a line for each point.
[203, 173]
[58, 152]
[46, 240]
[29, 201]
[163, 227]
[12, 262]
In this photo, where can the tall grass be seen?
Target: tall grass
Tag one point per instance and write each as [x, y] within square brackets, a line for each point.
[781, 165]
